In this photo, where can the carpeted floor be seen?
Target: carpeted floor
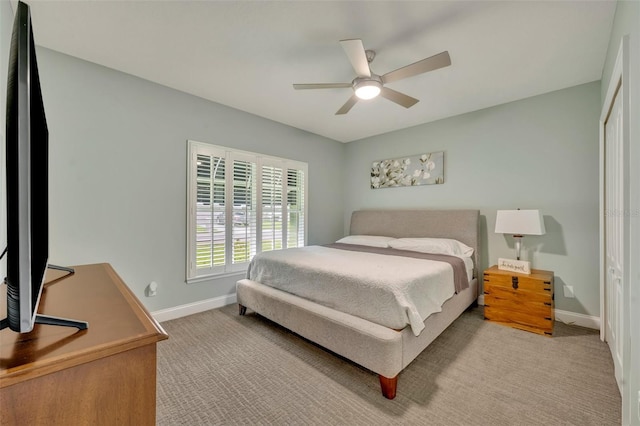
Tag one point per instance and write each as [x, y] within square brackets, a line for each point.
[219, 368]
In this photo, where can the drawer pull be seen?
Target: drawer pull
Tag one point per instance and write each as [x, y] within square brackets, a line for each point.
[486, 292]
[547, 289]
[514, 282]
[547, 303]
[547, 318]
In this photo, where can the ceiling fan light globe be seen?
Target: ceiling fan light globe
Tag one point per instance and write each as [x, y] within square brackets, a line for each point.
[368, 89]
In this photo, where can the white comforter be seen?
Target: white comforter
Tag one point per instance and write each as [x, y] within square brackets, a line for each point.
[392, 291]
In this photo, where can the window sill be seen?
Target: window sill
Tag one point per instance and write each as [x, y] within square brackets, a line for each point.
[214, 277]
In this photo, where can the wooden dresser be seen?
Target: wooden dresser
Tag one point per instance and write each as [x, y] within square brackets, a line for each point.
[105, 375]
[523, 301]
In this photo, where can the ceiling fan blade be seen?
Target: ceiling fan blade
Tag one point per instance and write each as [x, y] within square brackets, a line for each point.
[429, 64]
[357, 56]
[348, 105]
[399, 98]
[322, 86]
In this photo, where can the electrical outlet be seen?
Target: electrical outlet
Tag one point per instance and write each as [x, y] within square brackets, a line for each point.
[152, 289]
[568, 292]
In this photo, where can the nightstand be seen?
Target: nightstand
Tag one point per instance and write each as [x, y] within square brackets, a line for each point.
[523, 301]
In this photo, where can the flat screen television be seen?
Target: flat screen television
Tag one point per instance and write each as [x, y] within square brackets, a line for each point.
[27, 170]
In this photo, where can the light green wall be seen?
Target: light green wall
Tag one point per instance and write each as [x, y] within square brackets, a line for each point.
[627, 23]
[538, 153]
[118, 157]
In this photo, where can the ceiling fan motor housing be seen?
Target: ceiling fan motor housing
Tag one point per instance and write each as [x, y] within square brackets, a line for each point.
[367, 87]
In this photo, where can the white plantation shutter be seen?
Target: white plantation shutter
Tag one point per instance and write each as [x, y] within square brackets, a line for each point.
[244, 243]
[241, 203]
[272, 217]
[218, 209]
[207, 209]
[204, 221]
[210, 210]
[295, 208]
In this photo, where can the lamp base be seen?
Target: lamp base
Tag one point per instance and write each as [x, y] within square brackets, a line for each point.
[520, 266]
[518, 240]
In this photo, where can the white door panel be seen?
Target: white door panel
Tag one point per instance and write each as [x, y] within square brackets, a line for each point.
[614, 232]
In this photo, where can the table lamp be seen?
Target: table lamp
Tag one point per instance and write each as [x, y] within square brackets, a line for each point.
[519, 223]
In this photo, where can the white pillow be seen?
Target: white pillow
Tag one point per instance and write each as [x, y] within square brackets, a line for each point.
[432, 245]
[366, 240]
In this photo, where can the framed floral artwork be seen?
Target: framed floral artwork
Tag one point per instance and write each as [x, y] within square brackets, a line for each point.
[415, 170]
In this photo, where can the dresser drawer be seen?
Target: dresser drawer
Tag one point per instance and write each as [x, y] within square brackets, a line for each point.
[519, 304]
[518, 296]
[521, 320]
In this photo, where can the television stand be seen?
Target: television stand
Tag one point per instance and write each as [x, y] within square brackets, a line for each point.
[51, 320]
[70, 271]
[62, 322]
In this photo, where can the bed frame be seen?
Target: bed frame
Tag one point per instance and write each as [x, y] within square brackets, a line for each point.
[380, 349]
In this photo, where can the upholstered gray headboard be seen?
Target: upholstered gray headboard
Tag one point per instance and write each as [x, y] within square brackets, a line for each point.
[462, 225]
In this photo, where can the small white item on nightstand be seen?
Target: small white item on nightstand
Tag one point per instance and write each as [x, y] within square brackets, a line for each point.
[520, 266]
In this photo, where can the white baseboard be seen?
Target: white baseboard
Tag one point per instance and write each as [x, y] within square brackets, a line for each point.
[193, 308]
[581, 320]
[567, 317]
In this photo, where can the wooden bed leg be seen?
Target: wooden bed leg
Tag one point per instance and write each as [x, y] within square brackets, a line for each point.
[242, 309]
[388, 386]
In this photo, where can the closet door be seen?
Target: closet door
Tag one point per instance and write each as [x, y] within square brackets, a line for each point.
[614, 234]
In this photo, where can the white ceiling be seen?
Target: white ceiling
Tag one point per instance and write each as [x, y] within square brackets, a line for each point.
[247, 54]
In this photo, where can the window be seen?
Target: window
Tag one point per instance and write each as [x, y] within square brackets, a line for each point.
[239, 204]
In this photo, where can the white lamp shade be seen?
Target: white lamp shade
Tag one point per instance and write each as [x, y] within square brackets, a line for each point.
[520, 222]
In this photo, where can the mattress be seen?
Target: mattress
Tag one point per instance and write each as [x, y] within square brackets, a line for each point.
[393, 291]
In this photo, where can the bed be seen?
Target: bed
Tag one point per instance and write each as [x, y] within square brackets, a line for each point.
[382, 349]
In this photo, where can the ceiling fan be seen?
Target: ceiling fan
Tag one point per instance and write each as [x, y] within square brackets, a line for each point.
[368, 85]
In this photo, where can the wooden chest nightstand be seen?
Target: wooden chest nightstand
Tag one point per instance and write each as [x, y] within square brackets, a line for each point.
[520, 300]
